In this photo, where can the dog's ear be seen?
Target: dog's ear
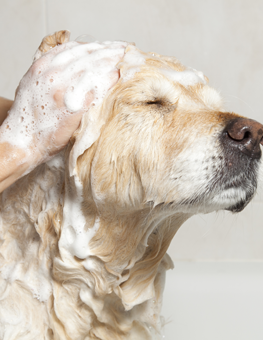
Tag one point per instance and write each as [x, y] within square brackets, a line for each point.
[88, 132]
[93, 120]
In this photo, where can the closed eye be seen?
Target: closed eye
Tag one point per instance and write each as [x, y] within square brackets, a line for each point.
[161, 105]
[155, 102]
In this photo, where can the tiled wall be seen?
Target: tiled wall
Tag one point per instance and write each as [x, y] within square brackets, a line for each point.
[223, 38]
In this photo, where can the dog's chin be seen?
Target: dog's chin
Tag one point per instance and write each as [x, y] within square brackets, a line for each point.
[241, 204]
[238, 207]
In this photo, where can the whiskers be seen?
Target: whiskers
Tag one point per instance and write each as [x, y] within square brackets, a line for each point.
[251, 109]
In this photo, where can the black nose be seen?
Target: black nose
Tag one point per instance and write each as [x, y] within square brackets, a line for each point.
[245, 135]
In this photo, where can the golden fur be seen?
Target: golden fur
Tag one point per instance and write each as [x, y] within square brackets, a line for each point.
[135, 182]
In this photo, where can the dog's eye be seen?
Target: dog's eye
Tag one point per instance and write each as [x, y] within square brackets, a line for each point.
[161, 105]
[155, 102]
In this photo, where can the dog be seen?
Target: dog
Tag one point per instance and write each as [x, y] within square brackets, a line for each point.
[84, 236]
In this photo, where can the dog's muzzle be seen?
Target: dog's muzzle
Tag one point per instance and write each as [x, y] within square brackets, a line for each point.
[240, 141]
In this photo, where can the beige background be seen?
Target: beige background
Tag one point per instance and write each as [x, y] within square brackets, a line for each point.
[224, 40]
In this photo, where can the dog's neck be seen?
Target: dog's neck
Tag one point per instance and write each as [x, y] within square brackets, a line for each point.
[114, 264]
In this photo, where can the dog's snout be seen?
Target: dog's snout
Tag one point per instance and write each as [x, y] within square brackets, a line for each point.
[246, 135]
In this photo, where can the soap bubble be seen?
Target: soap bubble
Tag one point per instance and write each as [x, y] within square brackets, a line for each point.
[85, 38]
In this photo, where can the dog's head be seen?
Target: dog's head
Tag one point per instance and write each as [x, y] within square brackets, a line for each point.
[162, 137]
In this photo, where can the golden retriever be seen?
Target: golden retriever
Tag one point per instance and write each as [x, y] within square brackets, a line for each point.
[84, 236]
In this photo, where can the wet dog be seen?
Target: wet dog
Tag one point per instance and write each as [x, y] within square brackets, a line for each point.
[84, 236]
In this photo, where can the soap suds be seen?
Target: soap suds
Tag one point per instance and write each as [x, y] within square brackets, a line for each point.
[188, 77]
[75, 69]
[75, 235]
[132, 62]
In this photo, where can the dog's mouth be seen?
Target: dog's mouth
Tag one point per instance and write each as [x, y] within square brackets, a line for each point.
[226, 182]
[237, 185]
[240, 205]
[228, 189]
[243, 190]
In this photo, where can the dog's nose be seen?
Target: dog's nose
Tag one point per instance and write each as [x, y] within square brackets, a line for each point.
[245, 135]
